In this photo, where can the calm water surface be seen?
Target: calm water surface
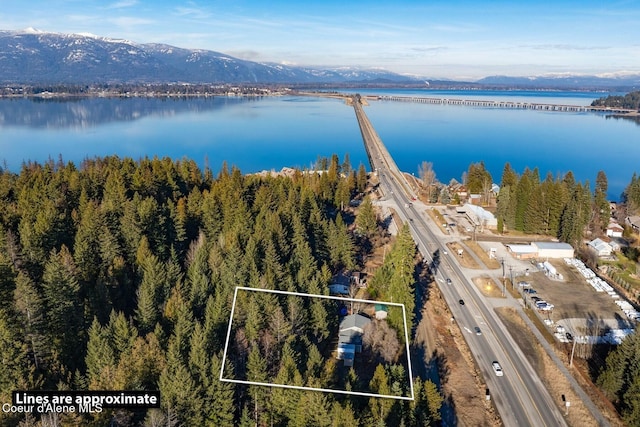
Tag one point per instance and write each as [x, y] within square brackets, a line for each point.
[270, 133]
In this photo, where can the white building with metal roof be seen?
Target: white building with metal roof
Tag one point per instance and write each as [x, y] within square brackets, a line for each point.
[553, 249]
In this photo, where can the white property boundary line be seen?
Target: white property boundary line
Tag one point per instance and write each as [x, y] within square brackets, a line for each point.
[325, 390]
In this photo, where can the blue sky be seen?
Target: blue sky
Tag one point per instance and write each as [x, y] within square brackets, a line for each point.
[433, 39]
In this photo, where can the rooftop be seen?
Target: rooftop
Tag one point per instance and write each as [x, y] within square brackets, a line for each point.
[552, 245]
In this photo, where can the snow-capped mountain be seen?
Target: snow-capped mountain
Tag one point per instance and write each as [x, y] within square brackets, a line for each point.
[615, 81]
[32, 56]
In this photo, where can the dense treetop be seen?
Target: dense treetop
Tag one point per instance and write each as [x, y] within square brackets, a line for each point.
[119, 274]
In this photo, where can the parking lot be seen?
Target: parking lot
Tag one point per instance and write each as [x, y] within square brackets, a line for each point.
[577, 306]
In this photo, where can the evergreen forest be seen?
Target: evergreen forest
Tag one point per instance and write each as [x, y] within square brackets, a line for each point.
[630, 100]
[118, 274]
[553, 206]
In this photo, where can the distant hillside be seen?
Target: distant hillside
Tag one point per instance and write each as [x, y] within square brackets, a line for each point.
[622, 83]
[34, 57]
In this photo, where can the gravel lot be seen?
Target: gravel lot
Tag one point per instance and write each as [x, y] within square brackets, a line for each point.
[577, 305]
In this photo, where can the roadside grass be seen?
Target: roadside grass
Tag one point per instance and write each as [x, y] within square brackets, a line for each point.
[491, 263]
[437, 217]
[555, 382]
[465, 259]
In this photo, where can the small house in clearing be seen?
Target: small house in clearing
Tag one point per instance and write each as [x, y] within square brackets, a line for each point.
[600, 247]
[350, 337]
[615, 230]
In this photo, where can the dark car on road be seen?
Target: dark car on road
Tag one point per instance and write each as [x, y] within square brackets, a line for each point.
[461, 302]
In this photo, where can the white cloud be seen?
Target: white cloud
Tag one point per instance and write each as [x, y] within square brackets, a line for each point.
[130, 21]
[192, 12]
[122, 4]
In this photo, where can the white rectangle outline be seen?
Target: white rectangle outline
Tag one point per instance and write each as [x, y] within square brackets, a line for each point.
[325, 390]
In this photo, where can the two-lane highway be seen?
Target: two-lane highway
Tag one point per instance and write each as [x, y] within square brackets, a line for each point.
[519, 394]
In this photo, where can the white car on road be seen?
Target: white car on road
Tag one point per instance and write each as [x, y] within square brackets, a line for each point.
[497, 369]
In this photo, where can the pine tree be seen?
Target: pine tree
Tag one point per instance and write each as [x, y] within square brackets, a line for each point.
[477, 177]
[29, 305]
[64, 308]
[434, 401]
[601, 210]
[361, 179]
[502, 209]
[197, 282]
[319, 324]
[13, 359]
[178, 390]
[366, 220]
[343, 416]
[283, 401]
[380, 407]
[141, 366]
[509, 177]
[150, 293]
[122, 333]
[219, 398]
[100, 358]
[523, 193]
[257, 372]
[575, 216]
[402, 258]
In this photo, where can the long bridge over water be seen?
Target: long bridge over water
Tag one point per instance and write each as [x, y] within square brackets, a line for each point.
[501, 104]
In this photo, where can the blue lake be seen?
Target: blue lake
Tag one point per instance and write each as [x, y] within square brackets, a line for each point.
[270, 133]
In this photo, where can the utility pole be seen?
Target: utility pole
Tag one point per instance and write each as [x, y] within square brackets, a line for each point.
[573, 349]
[511, 273]
[504, 279]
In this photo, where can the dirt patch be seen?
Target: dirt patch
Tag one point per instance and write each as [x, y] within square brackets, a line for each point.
[488, 287]
[526, 341]
[462, 384]
[463, 258]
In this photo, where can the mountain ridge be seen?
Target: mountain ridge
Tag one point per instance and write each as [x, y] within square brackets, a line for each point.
[32, 56]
